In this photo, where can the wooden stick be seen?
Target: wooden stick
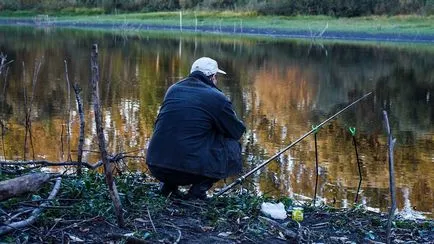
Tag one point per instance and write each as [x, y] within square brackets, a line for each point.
[2, 62]
[68, 126]
[35, 214]
[3, 99]
[102, 145]
[77, 91]
[26, 111]
[44, 163]
[34, 81]
[150, 218]
[316, 168]
[391, 142]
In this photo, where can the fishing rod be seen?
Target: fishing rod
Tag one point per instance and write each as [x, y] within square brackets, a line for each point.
[242, 178]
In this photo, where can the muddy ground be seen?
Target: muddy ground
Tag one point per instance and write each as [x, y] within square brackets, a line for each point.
[234, 219]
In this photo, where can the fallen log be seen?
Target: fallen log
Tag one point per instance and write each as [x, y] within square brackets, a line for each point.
[35, 214]
[23, 184]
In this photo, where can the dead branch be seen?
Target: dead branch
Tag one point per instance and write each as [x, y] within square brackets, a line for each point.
[18, 215]
[68, 126]
[44, 163]
[28, 107]
[3, 99]
[35, 214]
[391, 142]
[179, 232]
[23, 184]
[99, 129]
[3, 59]
[77, 91]
[150, 219]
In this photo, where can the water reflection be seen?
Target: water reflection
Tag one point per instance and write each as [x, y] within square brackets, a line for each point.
[279, 88]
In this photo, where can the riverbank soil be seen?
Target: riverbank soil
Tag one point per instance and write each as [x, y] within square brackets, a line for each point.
[82, 212]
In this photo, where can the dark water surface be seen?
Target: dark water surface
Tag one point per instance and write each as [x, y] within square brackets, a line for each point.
[279, 88]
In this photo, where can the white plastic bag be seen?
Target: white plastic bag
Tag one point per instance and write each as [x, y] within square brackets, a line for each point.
[274, 210]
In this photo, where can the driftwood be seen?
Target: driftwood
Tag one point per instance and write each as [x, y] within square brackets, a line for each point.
[23, 184]
[99, 130]
[391, 143]
[35, 214]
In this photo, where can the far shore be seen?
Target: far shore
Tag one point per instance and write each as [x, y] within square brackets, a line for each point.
[407, 29]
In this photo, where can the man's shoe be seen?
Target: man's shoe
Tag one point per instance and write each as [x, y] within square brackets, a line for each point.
[196, 196]
[170, 191]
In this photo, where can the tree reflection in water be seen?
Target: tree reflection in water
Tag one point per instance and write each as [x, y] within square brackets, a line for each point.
[280, 89]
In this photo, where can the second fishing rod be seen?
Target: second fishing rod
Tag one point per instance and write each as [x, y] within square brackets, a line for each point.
[242, 178]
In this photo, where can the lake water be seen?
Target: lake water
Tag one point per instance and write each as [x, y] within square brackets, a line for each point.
[280, 89]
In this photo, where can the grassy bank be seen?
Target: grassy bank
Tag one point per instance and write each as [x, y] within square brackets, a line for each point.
[410, 24]
[82, 210]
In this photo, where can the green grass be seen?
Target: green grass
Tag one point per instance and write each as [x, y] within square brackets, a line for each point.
[410, 24]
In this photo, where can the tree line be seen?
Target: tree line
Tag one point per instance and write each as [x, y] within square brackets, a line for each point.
[338, 8]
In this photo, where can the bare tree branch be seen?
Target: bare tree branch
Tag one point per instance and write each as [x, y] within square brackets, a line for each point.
[102, 145]
[44, 163]
[77, 91]
[391, 142]
[68, 125]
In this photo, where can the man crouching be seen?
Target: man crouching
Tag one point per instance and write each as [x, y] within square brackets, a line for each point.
[196, 135]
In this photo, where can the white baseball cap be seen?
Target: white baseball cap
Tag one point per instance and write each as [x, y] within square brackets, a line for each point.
[207, 66]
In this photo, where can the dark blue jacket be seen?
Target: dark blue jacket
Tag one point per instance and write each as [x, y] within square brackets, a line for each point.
[197, 130]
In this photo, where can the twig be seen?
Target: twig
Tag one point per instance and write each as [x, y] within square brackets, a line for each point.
[287, 232]
[77, 91]
[61, 142]
[77, 224]
[3, 127]
[179, 237]
[319, 225]
[316, 168]
[179, 232]
[18, 214]
[391, 142]
[26, 110]
[68, 126]
[323, 31]
[150, 218]
[3, 64]
[34, 81]
[54, 207]
[55, 223]
[44, 163]
[359, 168]
[35, 214]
